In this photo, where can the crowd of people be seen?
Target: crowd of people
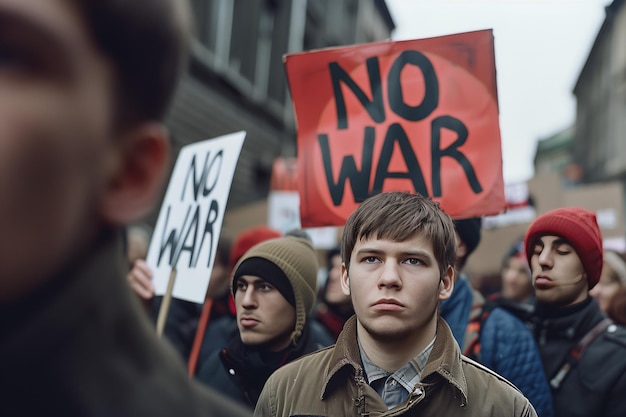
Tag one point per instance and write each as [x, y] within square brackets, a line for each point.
[558, 286]
[524, 332]
[394, 328]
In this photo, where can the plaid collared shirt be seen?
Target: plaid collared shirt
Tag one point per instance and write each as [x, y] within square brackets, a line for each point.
[395, 387]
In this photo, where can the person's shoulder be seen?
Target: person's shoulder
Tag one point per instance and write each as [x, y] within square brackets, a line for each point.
[313, 358]
[603, 362]
[302, 374]
[502, 318]
[616, 334]
[310, 363]
[475, 373]
[489, 393]
[504, 314]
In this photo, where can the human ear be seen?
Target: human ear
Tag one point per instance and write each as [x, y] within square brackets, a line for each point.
[345, 280]
[446, 284]
[136, 181]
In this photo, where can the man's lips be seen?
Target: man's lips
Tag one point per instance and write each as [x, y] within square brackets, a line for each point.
[543, 281]
[248, 321]
[388, 304]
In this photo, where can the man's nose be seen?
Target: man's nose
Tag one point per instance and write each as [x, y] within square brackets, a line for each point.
[249, 298]
[390, 276]
[544, 258]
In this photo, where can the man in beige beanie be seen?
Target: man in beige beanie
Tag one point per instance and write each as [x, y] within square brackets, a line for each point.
[274, 285]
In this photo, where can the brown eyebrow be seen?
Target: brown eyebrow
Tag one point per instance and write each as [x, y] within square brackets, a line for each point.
[366, 250]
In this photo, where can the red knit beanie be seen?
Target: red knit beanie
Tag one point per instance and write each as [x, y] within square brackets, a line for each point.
[247, 239]
[579, 228]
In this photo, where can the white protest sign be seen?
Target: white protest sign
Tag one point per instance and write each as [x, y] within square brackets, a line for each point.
[191, 216]
[283, 214]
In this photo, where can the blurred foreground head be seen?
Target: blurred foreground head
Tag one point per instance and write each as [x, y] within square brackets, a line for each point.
[84, 87]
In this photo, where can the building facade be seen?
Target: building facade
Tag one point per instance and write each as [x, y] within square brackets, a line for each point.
[600, 136]
[236, 79]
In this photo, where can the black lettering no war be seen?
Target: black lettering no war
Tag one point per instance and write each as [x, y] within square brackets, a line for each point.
[190, 236]
[375, 107]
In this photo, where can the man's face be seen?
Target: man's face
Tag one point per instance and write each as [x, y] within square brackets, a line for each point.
[558, 274]
[55, 140]
[396, 288]
[516, 283]
[264, 316]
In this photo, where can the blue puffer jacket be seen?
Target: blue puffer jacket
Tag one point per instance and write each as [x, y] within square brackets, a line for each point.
[508, 347]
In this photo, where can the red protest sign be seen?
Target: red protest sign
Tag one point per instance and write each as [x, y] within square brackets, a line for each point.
[418, 116]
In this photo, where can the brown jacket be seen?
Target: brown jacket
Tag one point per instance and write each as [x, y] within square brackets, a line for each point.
[331, 382]
[83, 347]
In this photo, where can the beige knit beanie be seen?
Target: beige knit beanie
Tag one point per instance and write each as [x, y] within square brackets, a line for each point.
[297, 259]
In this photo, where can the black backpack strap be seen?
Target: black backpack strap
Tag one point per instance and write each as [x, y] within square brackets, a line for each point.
[575, 353]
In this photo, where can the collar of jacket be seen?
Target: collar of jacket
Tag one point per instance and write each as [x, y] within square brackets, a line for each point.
[572, 326]
[444, 360]
[253, 363]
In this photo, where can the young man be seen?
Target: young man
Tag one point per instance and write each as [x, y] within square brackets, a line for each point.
[584, 356]
[84, 86]
[396, 356]
[274, 286]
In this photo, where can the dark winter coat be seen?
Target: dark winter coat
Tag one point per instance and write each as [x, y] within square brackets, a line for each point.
[332, 382]
[83, 346]
[239, 371]
[596, 385]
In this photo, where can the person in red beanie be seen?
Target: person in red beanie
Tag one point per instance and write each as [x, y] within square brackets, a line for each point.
[583, 352]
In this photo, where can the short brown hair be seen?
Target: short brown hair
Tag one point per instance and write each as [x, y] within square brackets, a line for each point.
[399, 216]
[147, 42]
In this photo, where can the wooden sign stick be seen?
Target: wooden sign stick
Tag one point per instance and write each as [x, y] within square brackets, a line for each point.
[165, 304]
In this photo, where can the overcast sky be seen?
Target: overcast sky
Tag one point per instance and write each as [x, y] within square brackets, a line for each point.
[541, 46]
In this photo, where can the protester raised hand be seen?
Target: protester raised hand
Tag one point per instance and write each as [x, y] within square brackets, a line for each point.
[140, 280]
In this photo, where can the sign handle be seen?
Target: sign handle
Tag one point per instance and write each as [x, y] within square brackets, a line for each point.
[165, 304]
[199, 338]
